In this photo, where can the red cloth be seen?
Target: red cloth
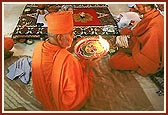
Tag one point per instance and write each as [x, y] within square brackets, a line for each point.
[92, 12]
[8, 43]
[147, 45]
[59, 81]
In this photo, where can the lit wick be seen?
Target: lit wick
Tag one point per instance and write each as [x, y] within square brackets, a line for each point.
[104, 43]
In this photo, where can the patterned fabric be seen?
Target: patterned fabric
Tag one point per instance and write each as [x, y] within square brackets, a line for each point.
[158, 79]
[28, 27]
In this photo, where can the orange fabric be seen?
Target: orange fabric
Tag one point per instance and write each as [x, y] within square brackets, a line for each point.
[39, 83]
[147, 44]
[150, 36]
[122, 61]
[125, 31]
[59, 22]
[58, 79]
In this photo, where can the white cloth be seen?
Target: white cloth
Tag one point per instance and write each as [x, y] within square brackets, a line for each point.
[125, 19]
[21, 68]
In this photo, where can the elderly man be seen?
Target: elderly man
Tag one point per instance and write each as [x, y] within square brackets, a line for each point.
[60, 81]
[146, 53]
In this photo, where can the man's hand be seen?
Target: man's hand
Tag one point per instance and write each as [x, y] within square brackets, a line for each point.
[92, 62]
[122, 41]
[89, 64]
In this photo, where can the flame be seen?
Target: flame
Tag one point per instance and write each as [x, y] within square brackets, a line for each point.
[104, 43]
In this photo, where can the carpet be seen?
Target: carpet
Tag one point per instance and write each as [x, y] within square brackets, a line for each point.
[116, 91]
[112, 91]
[31, 25]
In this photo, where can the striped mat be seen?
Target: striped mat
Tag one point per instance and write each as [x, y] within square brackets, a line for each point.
[17, 95]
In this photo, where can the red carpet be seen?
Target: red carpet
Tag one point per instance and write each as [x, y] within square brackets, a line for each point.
[89, 20]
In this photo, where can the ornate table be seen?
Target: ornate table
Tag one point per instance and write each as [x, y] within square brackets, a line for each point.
[101, 23]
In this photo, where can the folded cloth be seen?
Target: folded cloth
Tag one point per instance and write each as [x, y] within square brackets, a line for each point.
[20, 69]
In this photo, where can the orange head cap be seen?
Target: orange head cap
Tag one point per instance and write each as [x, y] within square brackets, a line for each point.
[59, 22]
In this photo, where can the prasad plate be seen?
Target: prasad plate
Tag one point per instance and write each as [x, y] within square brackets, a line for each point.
[91, 47]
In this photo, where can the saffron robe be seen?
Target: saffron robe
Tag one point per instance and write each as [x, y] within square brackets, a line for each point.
[59, 80]
[147, 45]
